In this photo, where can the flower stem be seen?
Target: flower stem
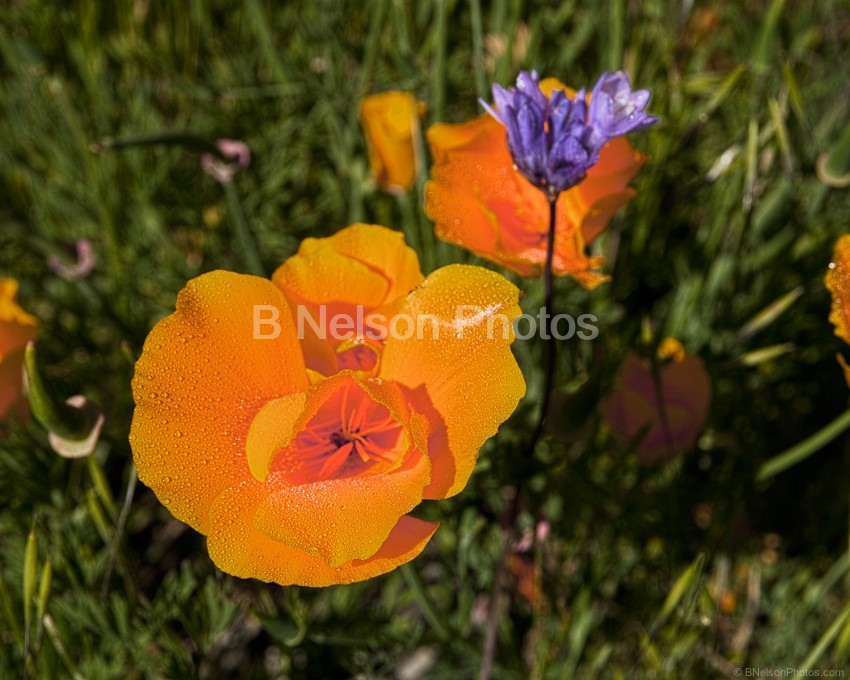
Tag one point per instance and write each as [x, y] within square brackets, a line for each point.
[430, 614]
[438, 72]
[498, 599]
[243, 240]
[478, 48]
[549, 368]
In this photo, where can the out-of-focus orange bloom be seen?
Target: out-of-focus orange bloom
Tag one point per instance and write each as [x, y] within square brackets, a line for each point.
[527, 577]
[390, 121]
[838, 283]
[17, 328]
[479, 201]
[303, 477]
[668, 404]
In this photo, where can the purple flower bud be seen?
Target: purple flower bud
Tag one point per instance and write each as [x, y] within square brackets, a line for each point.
[555, 140]
[615, 110]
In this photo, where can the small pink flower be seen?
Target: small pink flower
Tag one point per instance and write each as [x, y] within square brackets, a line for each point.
[78, 270]
[541, 531]
[223, 171]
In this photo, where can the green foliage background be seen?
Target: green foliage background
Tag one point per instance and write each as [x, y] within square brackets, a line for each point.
[684, 571]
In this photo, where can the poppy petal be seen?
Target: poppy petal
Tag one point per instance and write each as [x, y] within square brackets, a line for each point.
[17, 327]
[344, 518]
[838, 283]
[202, 377]
[274, 427]
[390, 121]
[363, 264]
[467, 374]
[237, 547]
[479, 201]
[11, 382]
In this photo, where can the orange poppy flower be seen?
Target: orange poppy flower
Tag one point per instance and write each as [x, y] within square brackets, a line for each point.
[390, 121]
[837, 282]
[299, 476]
[479, 201]
[17, 328]
[668, 413]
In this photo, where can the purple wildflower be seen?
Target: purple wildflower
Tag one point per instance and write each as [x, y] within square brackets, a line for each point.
[555, 140]
[615, 110]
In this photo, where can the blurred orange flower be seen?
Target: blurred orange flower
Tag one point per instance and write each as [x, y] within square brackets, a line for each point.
[390, 121]
[479, 201]
[668, 407]
[837, 282]
[17, 328]
[305, 477]
[527, 576]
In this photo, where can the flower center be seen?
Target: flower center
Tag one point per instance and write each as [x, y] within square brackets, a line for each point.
[350, 435]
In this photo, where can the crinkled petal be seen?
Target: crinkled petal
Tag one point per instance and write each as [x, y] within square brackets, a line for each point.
[528, 141]
[363, 264]
[618, 164]
[320, 275]
[345, 518]
[595, 216]
[201, 379]
[274, 427]
[468, 373]
[237, 547]
[340, 518]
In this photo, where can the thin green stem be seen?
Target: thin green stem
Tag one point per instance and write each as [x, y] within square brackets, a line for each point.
[411, 577]
[410, 221]
[478, 48]
[438, 75]
[512, 512]
[262, 28]
[804, 449]
[165, 137]
[551, 348]
[825, 640]
[431, 248]
[115, 546]
[364, 74]
[243, 239]
[616, 24]
[488, 655]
